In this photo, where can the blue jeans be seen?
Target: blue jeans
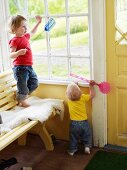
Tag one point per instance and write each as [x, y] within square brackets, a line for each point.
[80, 130]
[27, 81]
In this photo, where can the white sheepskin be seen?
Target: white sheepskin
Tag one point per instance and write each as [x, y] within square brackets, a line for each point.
[40, 109]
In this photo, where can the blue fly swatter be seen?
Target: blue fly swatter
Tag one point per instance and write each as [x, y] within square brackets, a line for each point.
[50, 24]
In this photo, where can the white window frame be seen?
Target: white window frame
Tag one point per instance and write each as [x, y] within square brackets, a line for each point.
[98, 63]
[99, 105]
[68, 56]
[4, 58]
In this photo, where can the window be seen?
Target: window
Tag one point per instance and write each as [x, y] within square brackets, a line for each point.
[121, 24]
[66, 47]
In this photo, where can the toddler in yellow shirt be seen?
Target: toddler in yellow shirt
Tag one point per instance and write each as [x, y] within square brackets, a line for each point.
[79, 125]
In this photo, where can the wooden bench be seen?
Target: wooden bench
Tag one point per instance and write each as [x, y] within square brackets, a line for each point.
[7, 102]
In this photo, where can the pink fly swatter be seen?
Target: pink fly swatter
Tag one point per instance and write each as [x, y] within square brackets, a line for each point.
[104, 87]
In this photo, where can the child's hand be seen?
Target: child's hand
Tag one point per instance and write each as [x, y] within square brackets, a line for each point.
[76, 82]
[38, 18]
[92, 83]
[22, 51]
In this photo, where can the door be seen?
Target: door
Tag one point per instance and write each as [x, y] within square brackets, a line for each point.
[116, 44]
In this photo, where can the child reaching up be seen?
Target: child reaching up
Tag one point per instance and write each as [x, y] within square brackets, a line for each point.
[79, 125]
[20, 52]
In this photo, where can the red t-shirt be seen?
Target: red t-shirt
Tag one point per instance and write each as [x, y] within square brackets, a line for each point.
[22, 43]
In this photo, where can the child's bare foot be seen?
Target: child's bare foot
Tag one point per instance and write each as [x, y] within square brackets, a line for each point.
[87, 150]
[23, 103]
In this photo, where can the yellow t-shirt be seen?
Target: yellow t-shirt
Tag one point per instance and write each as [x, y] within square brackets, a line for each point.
[77, 109]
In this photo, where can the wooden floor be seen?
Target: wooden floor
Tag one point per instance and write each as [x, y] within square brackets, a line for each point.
[34, 155]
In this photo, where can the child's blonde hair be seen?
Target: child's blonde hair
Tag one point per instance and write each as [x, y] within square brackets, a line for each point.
[73, 92]
[15, 23]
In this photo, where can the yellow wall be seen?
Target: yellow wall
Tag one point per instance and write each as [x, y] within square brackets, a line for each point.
[56, 126]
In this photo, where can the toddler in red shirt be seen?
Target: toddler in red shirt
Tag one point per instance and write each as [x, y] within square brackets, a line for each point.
[20, 52]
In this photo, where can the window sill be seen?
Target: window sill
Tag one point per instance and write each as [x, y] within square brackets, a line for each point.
[61, 83]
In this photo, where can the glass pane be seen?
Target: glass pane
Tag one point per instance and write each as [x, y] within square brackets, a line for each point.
[58, 39]
[35, 9]
[79, 36]
[39, 47]
[41, 66]
[118, 35]
[56, 6]
[12, 8]
[78, 6]
[59, 67]
[16, 7]
[121, 16]
[81, 66]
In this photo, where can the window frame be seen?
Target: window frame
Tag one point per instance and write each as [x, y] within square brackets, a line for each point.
[4, 48]
[69, 56]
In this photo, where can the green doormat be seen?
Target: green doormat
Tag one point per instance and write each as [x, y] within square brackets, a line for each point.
[104, 160]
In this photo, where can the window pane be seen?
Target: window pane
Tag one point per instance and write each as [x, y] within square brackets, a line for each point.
[35, 9]
[58, 39]
[16, 7]
[78, 6]
[79, 36]
[59, 67]
[56, 6]
[121, 18]
[81, 66]
[41, 66]
[122, 14]
[39, 47]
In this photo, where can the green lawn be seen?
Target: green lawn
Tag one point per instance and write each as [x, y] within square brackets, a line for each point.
[77, 39]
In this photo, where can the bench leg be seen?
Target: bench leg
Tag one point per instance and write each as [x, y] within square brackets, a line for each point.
[22, 140]
[46, 138]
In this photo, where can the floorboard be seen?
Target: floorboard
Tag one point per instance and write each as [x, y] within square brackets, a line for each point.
[34, 155]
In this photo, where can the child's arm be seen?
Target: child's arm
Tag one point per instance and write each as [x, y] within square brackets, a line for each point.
[14, 53]
[92, 91]
[38, 19]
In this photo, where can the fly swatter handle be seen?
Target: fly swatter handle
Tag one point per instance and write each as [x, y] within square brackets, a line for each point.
[79, 77]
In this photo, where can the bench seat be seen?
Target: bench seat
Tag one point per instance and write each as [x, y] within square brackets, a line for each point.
[8, 104]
